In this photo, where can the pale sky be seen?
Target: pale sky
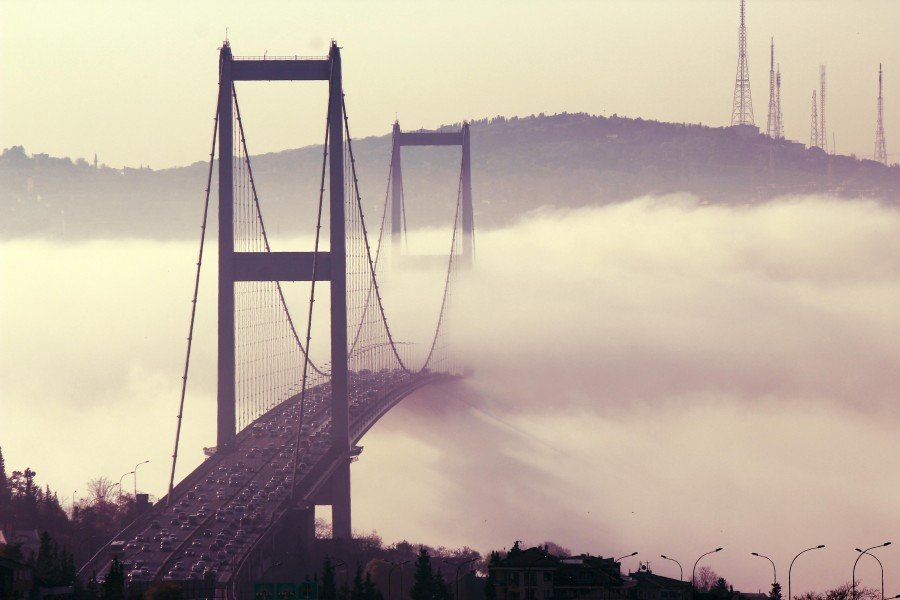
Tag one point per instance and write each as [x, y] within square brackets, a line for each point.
[136, 82]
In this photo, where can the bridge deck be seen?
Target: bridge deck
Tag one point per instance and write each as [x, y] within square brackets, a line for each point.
[226, 505]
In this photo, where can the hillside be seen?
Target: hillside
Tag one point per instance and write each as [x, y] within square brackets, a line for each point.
[519, 164]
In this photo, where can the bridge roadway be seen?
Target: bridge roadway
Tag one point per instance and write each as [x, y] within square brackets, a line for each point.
[229, 503]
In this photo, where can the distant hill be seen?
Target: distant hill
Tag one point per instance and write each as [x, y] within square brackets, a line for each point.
[519, 164]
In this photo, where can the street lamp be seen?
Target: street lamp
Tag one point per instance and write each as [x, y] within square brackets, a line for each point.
[861, 552]
[792, 565]
[124, 475]
[774, 574]
[680, 570]
[626, 556]
[391, 572]
[879, 564]
[73, 503]
[694, 572]
[458, 567]
[135, 476]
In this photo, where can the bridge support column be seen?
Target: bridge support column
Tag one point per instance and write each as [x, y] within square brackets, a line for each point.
[225, 422]
[396, 194]
[340, 413]
[468, 217]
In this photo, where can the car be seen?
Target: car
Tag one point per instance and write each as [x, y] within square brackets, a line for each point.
[196, 543]
[206, 556]
[230, 548]
[145, 547]
[190, 552]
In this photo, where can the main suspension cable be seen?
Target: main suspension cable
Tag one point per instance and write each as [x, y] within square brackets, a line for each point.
[190, 338]
[312, 297]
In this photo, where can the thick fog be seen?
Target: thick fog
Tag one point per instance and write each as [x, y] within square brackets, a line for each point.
[657, 375]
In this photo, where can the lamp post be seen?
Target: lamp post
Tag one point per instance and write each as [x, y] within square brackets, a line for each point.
[626, 556]
[792, 565]
[879, 564]
[135, 476]
[694, 572]
[774, 574]
[680, 570]
[73, 503]
[391, 572]
[861, 552]
[458, 567]
[124, 475]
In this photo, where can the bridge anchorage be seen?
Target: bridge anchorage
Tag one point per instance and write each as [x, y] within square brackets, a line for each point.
[287, 428]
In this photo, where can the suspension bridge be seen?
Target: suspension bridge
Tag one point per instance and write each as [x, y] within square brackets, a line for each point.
[288, 427]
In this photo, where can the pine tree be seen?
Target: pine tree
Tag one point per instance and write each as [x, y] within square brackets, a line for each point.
[775, 594]
[328, 590]
[490, 592]
[357, 592]
[4, 482]
[114, 584]
[370, 592]
[423, 578]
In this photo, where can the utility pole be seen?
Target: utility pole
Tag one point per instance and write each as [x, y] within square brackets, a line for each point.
[742, 103]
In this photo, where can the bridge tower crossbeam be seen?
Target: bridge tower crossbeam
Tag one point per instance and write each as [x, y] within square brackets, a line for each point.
[433, 138]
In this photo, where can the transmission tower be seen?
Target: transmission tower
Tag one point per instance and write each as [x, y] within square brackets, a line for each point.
[742, 105]
[814, 124]
[779, 124]
[880, 148]
[823, 134]
[772, 123]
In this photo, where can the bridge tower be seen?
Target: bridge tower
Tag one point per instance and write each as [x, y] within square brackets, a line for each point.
[433, 138]
[286, 266]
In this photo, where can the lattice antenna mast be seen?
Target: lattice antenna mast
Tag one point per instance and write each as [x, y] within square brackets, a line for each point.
[880, 147]
[779, 124]
[814, 124]
[742, 104]
[823, 134]
[772, 123]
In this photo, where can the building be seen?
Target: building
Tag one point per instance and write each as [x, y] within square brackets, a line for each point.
[535, 574]
[16, 579]
[646, 585]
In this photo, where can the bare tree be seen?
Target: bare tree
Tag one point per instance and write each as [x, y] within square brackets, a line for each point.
[705, 579]
[99, 490]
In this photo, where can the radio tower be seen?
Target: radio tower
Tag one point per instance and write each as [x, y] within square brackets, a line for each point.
[880, 148]
[779, 124]
[742, 105]
[814, 124]
[823, 134]
[772, 124]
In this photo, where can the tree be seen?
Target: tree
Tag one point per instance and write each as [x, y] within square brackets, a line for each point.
[428, 584]
[356, 592]
[328, 590]
[99, 489]
[775, 594]
[164, 591]
[490, 592]
[705, 579]
[114, 584]
[4, 482]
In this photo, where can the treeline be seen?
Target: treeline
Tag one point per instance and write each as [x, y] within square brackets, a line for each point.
[27, 507]
[519, 164]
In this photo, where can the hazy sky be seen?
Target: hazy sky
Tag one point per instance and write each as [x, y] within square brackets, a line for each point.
[136, 82]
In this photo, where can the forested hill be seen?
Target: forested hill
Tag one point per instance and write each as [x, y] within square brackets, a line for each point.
[519, 164]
